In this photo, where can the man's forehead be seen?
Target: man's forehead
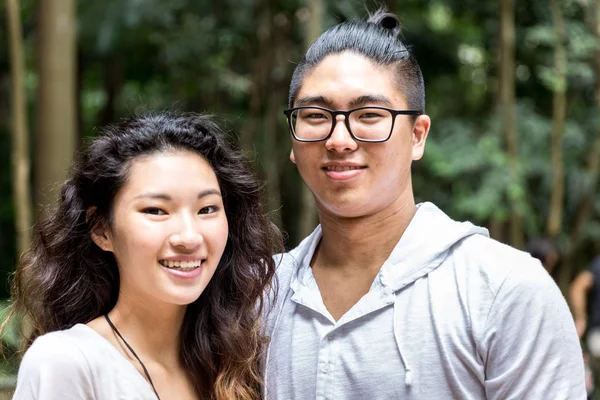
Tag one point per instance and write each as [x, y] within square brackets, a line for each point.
[344, 100]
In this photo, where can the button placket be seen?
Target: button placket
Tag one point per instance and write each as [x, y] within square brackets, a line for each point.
[324, 369]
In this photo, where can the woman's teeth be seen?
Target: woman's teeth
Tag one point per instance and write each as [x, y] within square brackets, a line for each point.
[181, 265]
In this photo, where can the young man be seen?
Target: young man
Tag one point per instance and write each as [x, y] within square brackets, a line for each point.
[387, 299]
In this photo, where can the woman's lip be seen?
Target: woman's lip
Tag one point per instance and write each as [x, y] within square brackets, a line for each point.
[191, 274]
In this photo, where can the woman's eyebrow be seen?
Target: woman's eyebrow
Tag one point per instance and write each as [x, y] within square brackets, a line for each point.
[163, 196]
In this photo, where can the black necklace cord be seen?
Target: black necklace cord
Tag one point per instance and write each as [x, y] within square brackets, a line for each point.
[114, 328]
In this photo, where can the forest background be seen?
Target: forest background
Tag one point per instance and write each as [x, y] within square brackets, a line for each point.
[513, 89]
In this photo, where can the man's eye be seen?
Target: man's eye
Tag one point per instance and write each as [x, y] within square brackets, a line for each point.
[154, 211]
[371, 115]
[208, 210]
[313, 115]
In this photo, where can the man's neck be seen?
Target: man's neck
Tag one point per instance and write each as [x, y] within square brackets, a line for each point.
[364, 242]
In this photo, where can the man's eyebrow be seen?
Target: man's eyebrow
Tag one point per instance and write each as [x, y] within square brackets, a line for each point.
[357, 102]
[166, 197]
[313, 101]
[370, 98]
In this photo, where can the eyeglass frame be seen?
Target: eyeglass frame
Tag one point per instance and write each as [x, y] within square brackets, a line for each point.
[346, 114]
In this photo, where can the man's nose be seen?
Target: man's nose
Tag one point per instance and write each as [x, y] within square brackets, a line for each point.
[340, 140]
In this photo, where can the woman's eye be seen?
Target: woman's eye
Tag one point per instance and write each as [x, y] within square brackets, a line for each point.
[154, 211]
[208, 210]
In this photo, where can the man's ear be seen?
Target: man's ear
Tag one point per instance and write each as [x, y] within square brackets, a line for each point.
[420, 132]
[292, 156]
[99, 232]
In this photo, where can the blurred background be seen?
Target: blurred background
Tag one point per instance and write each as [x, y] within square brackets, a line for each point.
[513, 89]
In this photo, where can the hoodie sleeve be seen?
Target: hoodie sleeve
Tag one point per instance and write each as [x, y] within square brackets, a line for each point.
[530, 346]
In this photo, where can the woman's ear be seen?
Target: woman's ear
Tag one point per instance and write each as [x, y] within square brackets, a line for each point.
[99, 233]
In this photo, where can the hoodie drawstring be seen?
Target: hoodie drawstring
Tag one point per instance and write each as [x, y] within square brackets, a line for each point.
[407, 370]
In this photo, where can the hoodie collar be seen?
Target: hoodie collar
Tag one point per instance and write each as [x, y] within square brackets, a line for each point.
[424, 245]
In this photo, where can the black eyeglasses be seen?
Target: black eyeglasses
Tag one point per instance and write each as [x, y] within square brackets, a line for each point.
[365, 124]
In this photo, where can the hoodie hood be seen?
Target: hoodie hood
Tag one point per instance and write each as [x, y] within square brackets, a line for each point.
[424, 245]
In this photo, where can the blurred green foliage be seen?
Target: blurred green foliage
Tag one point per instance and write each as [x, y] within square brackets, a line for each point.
[233, 58]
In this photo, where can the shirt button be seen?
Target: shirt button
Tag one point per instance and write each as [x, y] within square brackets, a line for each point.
[324, 367]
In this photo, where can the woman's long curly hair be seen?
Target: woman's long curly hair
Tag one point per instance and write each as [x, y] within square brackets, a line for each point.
[66, 279]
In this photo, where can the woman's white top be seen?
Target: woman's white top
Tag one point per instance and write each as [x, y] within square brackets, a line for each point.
[77, 364]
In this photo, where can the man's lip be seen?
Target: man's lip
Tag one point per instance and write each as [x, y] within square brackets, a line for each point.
[342, 164]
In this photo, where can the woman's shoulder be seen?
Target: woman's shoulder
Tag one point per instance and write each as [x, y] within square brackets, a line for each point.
[65, 346]
[60, 349]
[55, 364]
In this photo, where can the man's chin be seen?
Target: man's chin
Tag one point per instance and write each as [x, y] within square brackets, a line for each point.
[349, 209]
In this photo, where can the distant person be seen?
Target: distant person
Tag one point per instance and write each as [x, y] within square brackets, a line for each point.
[584, 294]
[388, 299]
[148, 280]
[544, 250]
[587, 315]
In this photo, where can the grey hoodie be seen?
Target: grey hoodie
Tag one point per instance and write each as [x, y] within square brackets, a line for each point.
[452, 314]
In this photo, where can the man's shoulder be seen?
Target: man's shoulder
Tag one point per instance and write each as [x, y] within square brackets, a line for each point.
[287, 263]
[291, 260]
[495, 261]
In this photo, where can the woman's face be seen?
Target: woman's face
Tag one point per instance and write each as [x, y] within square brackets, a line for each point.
[169, 229]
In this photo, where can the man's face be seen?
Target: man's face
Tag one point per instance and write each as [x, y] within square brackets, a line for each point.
[347, 177]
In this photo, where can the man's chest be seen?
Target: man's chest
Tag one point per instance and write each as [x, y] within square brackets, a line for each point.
[311, 360]
[341, 293]
[386, 347]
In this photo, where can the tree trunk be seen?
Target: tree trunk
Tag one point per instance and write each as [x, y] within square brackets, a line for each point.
[21, 160]
[271, 150]
[587, 200]
[114, 78]
[56, 122]
[585, 206]
[559, 110]
[507, 110]
[496, 229]
[307, 219]
[262, 65]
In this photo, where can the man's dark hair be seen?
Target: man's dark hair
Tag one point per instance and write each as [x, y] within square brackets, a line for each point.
[376, 38]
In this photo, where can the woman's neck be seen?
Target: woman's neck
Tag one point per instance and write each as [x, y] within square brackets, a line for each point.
[152, 331]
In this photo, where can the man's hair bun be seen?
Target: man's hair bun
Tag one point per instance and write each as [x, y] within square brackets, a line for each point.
[386, 20]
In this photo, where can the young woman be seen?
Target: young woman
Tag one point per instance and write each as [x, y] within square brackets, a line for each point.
[144, 283]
